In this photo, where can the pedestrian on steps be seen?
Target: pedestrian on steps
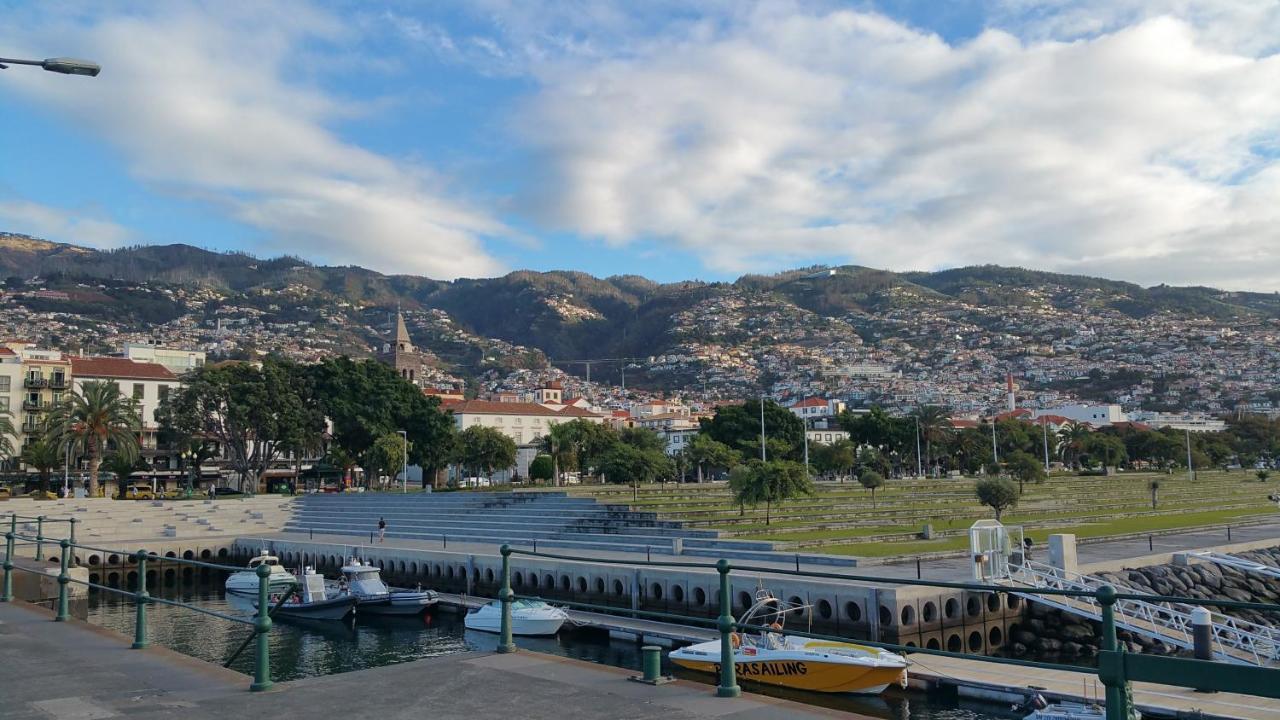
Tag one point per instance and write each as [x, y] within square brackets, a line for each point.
[382, 530]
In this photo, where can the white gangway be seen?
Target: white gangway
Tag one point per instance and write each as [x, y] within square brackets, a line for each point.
[995, 560]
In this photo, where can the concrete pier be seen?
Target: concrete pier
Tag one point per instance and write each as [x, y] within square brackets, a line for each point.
[76, 671]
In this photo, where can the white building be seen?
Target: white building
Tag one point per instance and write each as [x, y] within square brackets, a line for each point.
[524, 422]
[175, 360]
[1096, 415]
[149, 384]
[814, 408]
[1195, 422]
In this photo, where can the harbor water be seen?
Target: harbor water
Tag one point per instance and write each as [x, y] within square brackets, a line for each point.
[321, 648]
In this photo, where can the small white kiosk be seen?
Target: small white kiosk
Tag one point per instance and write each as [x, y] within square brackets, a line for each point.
[993, 547]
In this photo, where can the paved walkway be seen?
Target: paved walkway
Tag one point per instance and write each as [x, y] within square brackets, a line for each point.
[77, 671]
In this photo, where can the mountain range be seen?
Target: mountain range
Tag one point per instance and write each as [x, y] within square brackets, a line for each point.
[570, 315]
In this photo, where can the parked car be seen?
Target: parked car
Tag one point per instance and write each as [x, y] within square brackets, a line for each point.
[226, 492]
[139, 491]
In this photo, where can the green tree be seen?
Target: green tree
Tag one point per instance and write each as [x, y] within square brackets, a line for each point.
[837, 459]
[365, 399]
[1262, 475]
[387, 456]
[738, 426]
[872, 459]
[1154, 486]
[7, 431]
[935, 428]
[705, 452]
[255, 413]
[643, 439]
[771, 482]
[1072, 442]
[561, 445]
[121, 466]
[997, 493]
[626, 463]
[1025, 468]
[484, 450]
[44, 455]
[94, 420]
[542, 468]
[871, 480]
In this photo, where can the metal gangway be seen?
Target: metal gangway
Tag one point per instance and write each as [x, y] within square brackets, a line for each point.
[1238, 563]
[998, 558]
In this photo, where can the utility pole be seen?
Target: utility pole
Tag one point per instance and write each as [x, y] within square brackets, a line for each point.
[995, 449]
[1191, 473]
[1045, 427]
[806, 446]
[763, 455]
[919, 466]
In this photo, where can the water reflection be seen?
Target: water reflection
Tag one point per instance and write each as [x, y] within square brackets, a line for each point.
[323, 648]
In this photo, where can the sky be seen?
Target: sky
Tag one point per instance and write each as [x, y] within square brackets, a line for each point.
[1130, 139]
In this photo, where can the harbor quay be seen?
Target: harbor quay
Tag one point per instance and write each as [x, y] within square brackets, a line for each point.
[88, 673]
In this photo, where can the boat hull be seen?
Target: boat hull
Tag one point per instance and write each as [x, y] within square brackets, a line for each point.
[817, 672]
[335, 609]
[241, 585]
[398, 604]
[519, 626]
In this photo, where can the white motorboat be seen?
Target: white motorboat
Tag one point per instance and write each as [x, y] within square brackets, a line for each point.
[311, 601]
[245, 582]
[528, 617]
[363, 581]
[797, 662]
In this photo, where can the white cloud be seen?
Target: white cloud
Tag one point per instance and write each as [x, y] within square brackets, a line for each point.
[61, 225]
[220, 101]
[1143, 149]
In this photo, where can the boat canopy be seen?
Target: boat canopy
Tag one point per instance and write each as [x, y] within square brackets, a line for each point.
[364, 580]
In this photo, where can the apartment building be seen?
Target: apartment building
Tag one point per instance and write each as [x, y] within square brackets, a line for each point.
[148, 383]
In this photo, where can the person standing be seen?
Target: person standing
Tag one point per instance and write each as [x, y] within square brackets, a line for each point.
[382, 530]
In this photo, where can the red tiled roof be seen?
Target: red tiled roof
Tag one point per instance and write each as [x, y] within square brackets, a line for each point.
[960, 423]
[108, 367]
[810, 402]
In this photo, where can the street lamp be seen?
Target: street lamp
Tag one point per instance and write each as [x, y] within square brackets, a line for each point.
[186, 461]
[404, 482]
[66, 473]
[66, 66]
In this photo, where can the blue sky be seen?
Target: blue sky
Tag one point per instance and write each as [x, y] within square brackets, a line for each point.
[1128, 138]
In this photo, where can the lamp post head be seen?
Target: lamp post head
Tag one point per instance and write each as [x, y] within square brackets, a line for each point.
[71, 66]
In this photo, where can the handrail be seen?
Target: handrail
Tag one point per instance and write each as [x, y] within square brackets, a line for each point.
[1104, 597]
[261, 623]
[1172, 614]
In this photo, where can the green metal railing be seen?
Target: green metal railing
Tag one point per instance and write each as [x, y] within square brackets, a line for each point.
[1116, 668]
[261, 623]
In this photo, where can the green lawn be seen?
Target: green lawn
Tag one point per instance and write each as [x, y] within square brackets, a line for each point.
[1087, 506]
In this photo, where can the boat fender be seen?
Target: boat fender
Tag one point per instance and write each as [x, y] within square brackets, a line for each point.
[735, 640]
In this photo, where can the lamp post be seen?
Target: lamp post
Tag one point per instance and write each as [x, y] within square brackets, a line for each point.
[66, 66]
[187, 455]
[66, 473]
[404, 481]
[919, 465]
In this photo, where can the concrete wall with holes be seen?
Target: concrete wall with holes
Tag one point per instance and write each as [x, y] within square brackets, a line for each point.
[919, 616]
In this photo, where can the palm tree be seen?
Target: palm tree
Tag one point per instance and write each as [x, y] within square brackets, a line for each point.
[93, 420]
[560, 443]
[935, 425]
[44, 455]
[7, 431]
[122, 466]
[1071, 441]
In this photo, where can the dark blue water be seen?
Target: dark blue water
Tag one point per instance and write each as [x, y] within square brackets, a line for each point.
[324, 648]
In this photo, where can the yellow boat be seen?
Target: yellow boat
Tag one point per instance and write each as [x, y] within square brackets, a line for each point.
[797, 662]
